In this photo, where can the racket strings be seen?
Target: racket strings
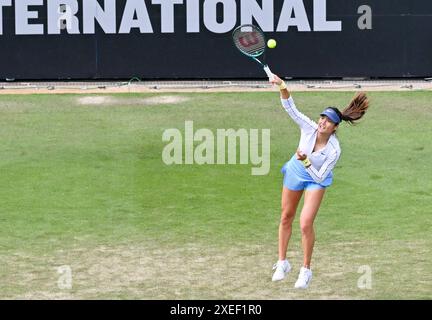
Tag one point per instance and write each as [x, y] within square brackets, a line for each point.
[251, 43]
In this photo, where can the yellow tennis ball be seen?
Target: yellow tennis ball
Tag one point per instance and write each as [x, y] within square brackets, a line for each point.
[271, 43]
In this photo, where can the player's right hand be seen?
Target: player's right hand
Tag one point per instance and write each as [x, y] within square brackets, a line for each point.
[276, 80]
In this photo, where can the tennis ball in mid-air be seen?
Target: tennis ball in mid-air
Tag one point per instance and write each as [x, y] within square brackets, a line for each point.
[271, 43]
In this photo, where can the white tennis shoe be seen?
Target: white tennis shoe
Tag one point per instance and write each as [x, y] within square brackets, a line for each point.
[304, 278]
[282, 267]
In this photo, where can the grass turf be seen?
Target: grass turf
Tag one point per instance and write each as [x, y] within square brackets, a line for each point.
[89, 178]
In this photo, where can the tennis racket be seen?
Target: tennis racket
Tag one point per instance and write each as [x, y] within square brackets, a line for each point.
[250, 40]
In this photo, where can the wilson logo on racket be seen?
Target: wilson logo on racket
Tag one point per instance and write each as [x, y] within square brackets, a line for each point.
[249, 40]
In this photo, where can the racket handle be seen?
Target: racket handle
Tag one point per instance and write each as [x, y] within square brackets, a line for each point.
[269, 73]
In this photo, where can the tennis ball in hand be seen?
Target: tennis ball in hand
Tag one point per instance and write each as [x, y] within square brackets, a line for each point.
[271, 43]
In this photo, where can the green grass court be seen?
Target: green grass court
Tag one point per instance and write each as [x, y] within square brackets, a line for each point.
[83, 185]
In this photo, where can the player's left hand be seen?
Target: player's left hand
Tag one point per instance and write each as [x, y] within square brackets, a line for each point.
[300, 155]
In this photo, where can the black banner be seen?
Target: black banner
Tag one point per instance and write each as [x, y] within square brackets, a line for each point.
[191, 39]
[223, 309]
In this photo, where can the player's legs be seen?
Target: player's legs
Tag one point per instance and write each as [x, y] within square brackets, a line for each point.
[290, 200]
[312, 202]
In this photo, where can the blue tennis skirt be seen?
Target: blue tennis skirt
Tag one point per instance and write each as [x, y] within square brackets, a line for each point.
[297, 178]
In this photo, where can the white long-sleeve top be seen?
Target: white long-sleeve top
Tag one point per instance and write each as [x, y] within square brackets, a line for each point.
[322, 161]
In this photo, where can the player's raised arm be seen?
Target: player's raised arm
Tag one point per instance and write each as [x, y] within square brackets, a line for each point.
[288, 104]
[282, 86]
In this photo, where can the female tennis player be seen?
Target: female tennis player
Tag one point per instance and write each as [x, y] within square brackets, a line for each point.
[309, 171]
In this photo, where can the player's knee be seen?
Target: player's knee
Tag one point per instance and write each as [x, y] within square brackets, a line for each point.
[287, 216]
[306, 227]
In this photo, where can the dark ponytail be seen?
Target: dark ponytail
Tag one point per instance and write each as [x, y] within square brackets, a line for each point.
[356, 108]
